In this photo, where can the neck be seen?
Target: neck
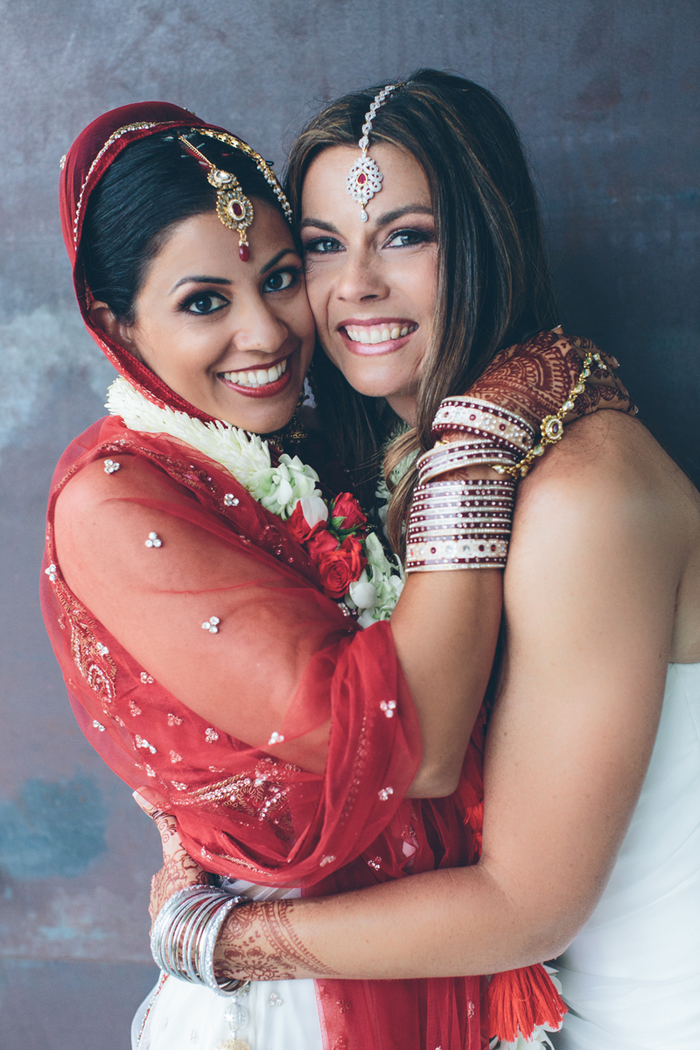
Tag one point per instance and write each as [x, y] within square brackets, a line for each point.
[405, 406]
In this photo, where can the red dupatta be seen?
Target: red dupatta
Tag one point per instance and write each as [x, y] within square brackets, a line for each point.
[240, 809]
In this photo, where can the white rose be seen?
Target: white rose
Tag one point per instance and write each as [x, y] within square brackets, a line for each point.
[313, 508]
[363, 593]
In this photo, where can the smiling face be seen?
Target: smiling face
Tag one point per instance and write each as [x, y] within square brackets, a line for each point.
[233, 338]
[372, 285]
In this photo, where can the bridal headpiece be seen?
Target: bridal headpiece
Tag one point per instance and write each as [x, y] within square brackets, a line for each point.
[234, 209]
[364, 178]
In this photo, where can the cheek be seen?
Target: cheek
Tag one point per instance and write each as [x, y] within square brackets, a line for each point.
[317, 289]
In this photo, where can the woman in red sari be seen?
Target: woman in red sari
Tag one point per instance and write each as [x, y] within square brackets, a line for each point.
[203, 655]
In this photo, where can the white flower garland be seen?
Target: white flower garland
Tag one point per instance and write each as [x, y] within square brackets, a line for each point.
[279, 489]
[245, 456]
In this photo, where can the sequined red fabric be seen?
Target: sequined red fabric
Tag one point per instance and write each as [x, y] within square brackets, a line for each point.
[308, 690]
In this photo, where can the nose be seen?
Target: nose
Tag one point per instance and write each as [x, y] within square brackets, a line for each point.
[258, 328]
[361, 278]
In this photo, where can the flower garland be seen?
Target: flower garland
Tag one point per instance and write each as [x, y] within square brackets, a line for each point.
[350, 559]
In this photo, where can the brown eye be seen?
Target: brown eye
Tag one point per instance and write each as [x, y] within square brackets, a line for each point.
[279, 281]
[204, 303]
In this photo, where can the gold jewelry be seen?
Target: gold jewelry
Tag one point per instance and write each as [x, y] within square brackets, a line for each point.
[552, 427]
[232, 206]
[234, 209]
[364, 178]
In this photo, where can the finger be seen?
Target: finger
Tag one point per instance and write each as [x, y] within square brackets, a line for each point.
[148, 807]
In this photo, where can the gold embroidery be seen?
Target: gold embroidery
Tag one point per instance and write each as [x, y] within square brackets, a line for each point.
[91, 657]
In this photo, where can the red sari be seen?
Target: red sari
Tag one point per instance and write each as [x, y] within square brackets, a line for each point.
[127, 630]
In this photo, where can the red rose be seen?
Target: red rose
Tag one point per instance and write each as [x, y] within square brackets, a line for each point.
[320, 545]
[347, 508]
[341, 567]
[299, 526]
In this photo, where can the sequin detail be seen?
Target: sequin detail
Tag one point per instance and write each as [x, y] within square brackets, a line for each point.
[385, 793]
[388, 707]
[230, 500]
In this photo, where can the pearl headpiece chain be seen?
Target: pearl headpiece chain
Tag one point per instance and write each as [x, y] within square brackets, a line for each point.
[364, 178]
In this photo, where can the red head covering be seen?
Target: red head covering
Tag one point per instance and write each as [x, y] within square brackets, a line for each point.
[87, 160]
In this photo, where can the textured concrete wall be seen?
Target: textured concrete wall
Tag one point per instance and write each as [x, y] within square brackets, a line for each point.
[606, 96]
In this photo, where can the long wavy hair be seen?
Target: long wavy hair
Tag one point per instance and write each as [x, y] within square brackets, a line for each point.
[494, 287]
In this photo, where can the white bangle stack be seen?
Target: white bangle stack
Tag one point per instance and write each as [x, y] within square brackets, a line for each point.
[185, 933]
[459, 525]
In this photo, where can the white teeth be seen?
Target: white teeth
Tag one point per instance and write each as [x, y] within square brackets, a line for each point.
[261, 376]
[378, 333]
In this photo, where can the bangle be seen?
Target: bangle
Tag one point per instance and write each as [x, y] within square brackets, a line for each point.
[446, 456]
[185, 932]
[484, 420]
[458, 525]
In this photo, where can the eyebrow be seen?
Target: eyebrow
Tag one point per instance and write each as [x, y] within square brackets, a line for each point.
[199, 279]
[276, 258]
[383, 220]
[205, 279]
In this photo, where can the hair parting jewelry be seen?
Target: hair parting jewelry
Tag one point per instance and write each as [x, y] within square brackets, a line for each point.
[234, 209]
[185, 933]
[364, 178]
[459, 525]
[232, 206]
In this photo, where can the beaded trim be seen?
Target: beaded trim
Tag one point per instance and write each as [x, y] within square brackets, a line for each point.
[223, 136]
[112, 138]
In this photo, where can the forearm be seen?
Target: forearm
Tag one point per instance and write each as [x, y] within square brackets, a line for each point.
[445, 629]
[445, 923]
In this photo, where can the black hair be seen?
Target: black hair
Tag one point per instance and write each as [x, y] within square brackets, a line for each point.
[152, 185]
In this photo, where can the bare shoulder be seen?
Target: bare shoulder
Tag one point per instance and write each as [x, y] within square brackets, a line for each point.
[610, 460]
[609, 497]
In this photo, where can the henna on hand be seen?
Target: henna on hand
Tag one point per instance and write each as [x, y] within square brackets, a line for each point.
[179, 869]
[534, 379]
[259, 942]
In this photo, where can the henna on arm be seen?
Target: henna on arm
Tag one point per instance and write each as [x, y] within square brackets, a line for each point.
[259, 942]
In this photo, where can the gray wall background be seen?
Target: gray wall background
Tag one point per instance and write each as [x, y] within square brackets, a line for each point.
[605, 92]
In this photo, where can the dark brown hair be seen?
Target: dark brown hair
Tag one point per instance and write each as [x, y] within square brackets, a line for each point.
[494, 287]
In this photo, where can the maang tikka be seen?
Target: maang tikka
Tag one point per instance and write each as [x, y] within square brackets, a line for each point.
[364, 178]
[234, 209]
[232, 206]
